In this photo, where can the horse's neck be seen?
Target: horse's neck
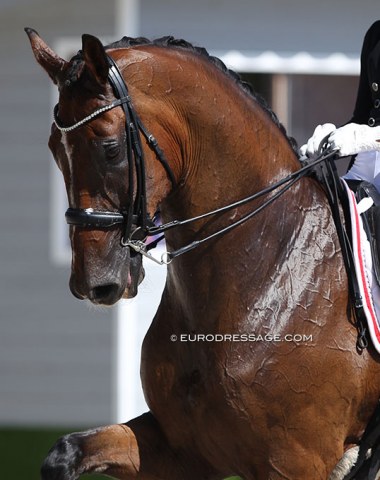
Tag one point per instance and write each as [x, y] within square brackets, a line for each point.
[268, 263]
[226, 148]
[235, 157]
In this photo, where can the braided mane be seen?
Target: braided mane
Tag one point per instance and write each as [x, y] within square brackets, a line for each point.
[171, 42]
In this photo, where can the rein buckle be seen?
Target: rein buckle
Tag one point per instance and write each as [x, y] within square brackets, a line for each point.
[140, 247]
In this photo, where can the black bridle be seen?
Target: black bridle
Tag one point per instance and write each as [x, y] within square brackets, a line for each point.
[134, 220]
[137, 225]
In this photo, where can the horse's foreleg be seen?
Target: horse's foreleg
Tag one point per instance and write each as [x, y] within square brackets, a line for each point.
[136, 450]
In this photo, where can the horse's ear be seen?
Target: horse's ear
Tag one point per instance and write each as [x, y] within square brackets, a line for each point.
[95, 58]
[45, 56]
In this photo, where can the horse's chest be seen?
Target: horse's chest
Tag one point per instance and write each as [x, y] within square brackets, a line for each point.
[176, 383]
[182, 389]
[196, 410]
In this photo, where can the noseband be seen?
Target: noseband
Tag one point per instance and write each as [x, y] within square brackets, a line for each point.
[135, 219]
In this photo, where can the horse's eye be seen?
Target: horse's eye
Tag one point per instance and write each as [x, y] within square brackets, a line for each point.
[112, 150]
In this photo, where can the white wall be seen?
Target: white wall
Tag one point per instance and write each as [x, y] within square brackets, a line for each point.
[259, 25]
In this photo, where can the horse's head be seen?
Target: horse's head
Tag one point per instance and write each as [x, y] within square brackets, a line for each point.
[94, 158]
[222, 144]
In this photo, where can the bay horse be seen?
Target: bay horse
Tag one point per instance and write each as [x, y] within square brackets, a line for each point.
[264, 380]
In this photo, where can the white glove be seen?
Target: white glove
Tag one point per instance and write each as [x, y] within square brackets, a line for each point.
[354, 138]
[311, 148]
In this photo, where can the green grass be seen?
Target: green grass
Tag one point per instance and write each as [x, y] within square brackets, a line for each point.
[22, 452]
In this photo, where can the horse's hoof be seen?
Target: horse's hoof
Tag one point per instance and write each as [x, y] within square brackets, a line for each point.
[63, 460]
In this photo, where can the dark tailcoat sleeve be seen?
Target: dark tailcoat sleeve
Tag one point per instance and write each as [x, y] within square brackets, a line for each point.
[367, 107]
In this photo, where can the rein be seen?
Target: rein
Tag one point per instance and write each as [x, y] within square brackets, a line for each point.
[136, 223]
[286, 183]
[138, 226]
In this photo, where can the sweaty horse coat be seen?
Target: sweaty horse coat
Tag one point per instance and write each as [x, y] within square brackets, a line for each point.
[260, 409]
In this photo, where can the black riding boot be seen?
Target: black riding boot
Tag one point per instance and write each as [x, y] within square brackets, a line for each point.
[371, 223]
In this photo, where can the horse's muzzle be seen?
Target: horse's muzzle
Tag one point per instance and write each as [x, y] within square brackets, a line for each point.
[108, 287]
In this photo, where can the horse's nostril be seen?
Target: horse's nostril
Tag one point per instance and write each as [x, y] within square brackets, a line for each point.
[105, 294]
[75, 289]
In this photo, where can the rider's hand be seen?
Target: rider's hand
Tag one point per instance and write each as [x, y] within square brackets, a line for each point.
[311, 148]
[353, 138]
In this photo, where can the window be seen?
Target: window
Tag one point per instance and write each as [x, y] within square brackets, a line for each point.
[302, 101]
